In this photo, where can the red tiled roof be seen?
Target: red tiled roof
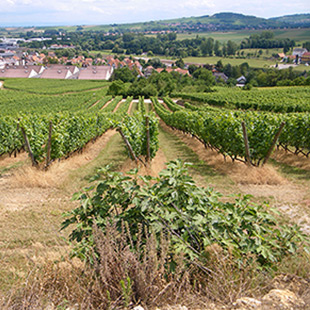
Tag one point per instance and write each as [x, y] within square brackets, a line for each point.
[182, 71]
[160, 70]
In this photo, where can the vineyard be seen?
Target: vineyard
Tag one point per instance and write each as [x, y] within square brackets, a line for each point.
[192, 218]
[52, 127]
[58, 125]
[52, 87]
[275, 99]
[222, 129]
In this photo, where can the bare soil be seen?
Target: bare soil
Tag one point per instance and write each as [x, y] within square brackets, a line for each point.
[105, 105]
[117, 106]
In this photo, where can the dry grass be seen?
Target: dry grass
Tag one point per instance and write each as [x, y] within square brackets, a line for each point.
[266, 175]
[237, 171]
[122, 277]
[119, 278]
[229, 281]
[34, 242]
[5, 160]
[31, 204]
[158, 163]
[31, 177]
[290, 159]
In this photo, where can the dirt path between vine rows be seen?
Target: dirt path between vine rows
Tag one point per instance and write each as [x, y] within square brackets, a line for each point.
[27, 186]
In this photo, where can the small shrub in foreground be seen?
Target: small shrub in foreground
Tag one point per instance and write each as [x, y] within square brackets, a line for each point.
[193, 216]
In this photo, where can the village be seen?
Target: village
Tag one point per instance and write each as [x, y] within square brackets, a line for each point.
[17, 62]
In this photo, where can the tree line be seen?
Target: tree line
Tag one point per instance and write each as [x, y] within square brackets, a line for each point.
[126, 82]
[162, 44]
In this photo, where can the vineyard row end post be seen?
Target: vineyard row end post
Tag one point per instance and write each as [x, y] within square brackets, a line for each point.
[246, 144]
[34, 162]
[273, 144]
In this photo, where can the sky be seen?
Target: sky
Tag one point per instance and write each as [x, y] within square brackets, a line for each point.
[101, 12]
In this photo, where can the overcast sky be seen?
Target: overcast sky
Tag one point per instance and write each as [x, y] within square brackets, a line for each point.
[96, 12]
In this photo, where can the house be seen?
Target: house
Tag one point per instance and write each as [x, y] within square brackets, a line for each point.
[241, 81]
[88, 61]
[299, 52]
[169, 70]
[182, 71]
[75, 71]
[167, 63]
[7, 45]
[2, 63]
[7, 54]
[159, 70]
[148, 71]
[138, 65]
[18, 72]
[220, 76]
[187, 64]
[95, 73]
[305, 58]
[281, 55]
[56, 72]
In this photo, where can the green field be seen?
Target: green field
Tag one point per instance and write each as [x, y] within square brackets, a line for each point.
[299, 35]
[253, 62]
[256, 63]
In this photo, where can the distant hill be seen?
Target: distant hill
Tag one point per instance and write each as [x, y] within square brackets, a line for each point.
[298, 20]
[216, 22]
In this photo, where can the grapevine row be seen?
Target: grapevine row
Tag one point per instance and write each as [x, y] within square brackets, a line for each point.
[278, 99]
[222, 131]
[135, 130]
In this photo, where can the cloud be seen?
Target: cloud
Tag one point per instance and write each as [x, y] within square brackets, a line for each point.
[67, 12]
[197, 4]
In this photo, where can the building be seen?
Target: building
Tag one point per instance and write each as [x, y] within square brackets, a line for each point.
[95, 73]
[241, 81]
[220, 76]
[20, 72]
[299, 52]
[305, 58]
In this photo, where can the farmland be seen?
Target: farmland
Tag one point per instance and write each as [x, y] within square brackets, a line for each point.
[203, 130]
[299, 35]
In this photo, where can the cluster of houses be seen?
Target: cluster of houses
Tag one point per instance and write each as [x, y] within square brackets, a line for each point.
[299, 56]
[38, 65]
[88, 71]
